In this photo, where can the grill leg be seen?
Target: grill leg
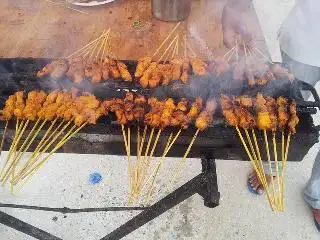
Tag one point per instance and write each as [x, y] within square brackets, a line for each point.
[205, 184]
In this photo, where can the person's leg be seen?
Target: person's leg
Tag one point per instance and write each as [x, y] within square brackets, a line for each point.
[312, 190]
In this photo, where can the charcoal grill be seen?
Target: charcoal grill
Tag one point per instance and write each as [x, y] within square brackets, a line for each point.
[219, 141]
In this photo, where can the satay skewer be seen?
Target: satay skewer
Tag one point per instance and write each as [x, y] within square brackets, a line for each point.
[15, 143]
[64, 140]
[36, 158]
[3, 136]
[39, 147]
[275, 152]
[84, 48]
[17, 132]
[22, 149]
[270, 200]
[166, 39]
[168, 48]
[178, 168]
[269, 163]
[284, 163]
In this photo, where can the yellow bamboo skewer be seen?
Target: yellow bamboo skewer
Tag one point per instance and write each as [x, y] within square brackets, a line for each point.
[250, 144]
[166, 39]
[3, 136]
[174, 51]
[179, 166]
[269, 164]
[87, 45]
[284, 163]
[38, 148]
[14, 148]
[105, 45]
[252, 160]
[148, 146]
[129, 161]
[167, 49]
[137, 161]
[146, 164]
[18, 155]
[155, 172]
[262, 174]
[277, 170]
[101, 47]
[35, 159]
[18, 129]
[65, 139]
[140, 152]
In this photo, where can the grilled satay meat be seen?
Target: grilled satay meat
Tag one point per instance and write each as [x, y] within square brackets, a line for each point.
[185, 71]
[93, 70]
[166, 73]
[199, 67]
[55, 69]
[155, 79]
[140, 99]
[293, 120]
[182, 105]
[246, 119]
[8, 110]
[176, 68]
[76, 70]
[283, 115]
[34, 103]
[228, 110]
[19, 105]
[205, 118]
[143, 64]
[244, 101]
[123, 69]
[195, 109]
[147, 74]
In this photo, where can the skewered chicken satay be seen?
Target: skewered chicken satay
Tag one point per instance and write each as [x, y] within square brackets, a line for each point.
[19, 105]
[143, 64]
[55, 69]
[228, 110]
[114, 72]
[176, 67]
[195, 109]
[199, 67]
[166, 73]
[244, 101]
[281, 72]
[293, 120]
[93, 70]
[34, 103]
[76, 70]
[205, 118]
[182, 105]
[144, 80]
[185, 71]
[283, 115]
[8, 110]
[155, 79]
[123, 69]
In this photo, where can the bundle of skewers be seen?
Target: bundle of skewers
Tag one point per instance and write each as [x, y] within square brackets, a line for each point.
[94, 62]
[155, 115]
[63, 113]
[173, 60]
[268, 115]
[248, 65]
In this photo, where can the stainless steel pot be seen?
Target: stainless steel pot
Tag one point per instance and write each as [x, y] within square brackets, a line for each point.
[171, 10]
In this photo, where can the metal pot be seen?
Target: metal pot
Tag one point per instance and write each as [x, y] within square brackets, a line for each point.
[171, 10]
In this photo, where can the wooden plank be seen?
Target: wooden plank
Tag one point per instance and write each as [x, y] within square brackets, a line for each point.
[37, 28]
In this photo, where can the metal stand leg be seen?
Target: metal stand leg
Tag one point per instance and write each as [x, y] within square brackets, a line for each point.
[205, 184]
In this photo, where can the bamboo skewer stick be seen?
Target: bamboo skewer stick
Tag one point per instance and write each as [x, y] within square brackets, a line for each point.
[167, 49]
[250, 144]
[180, 164]
[166, 39]
[191, 50]
[18, 129]
[37, 157]
[284, 163]
[88, 45]
[3, 136]
[136, 176]
[254, 164]
[65, 139]
[147, 164]
[229, 52]
[262, 174]
[39, 147]
[22, 149]
[278, 199]
[264, 56]
[129, 160]
[282, 172]
[269, 164]
[14, 149]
